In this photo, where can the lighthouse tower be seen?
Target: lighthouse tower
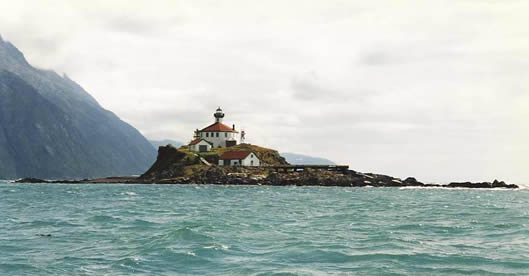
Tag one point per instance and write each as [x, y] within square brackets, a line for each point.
[218, 115]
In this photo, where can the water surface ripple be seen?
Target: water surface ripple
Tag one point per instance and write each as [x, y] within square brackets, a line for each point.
[54, 229]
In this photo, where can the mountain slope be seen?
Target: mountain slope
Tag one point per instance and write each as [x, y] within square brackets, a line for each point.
[299, 159]
[50, 127]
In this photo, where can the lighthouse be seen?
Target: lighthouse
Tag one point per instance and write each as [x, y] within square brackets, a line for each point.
[217, 135]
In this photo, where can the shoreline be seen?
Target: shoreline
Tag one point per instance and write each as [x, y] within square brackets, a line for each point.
[240, 180]
[178, 166]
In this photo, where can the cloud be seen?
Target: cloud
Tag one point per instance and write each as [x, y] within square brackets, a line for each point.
[131, 25]
[309, 87]
[435, 90]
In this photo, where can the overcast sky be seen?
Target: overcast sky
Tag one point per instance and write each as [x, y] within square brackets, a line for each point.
[433, 89]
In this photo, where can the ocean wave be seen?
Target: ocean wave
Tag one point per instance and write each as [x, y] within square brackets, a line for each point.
[261, 231]
[104, 219]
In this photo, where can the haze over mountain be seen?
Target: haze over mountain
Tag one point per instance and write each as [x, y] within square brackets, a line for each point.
[158, 143]
[50, 127]
[300, 159]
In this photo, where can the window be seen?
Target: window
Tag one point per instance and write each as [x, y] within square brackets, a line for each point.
[217, 134]
[207, 134]
[226, 134]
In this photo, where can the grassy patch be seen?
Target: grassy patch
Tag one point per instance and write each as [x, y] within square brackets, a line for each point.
[266, 155]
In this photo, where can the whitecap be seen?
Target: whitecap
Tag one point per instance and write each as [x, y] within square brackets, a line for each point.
[217, 247]
[422, 188]
[456, 188]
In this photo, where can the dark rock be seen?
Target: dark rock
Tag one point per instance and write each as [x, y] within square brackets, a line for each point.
[31, 180]
[169, 164]
[214, 172]
[499, 184]
[482, 185]
[178, 167]
[411, 181]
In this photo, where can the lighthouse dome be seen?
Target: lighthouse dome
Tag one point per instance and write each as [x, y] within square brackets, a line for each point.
[218, 115]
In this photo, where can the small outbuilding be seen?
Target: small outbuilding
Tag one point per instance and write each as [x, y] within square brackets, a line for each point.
[200, 145]
[239, 158]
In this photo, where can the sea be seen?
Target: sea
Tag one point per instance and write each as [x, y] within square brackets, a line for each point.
[128, 229]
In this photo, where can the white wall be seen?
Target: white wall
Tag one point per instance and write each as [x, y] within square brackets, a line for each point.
[251, 160]
[196, 147]
[221, 140]
[232, 163]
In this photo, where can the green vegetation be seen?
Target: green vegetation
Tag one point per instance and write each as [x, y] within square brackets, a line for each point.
[266, 155]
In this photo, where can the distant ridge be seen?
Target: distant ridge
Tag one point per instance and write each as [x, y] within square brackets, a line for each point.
[159, 143]
[300, 159]
[50, 127]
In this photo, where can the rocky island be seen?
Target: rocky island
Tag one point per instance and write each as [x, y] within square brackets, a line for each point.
[182, 166]
[215, 156]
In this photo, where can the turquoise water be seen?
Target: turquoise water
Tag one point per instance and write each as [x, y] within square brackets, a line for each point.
[240, 230]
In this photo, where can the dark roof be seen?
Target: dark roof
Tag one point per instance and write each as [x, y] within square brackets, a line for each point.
[234, 155]
[218, 127]
[196, 141]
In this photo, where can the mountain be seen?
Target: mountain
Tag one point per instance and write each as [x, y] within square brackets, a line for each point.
[50, 127]
[162, 143]
[299, 159]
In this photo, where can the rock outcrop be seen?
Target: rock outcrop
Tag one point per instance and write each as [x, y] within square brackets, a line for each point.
[178, 166]
[169, 164]
[175, 166]
[173, 174]
[489, 185]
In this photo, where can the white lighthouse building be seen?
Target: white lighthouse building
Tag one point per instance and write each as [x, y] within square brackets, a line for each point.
[216, 135]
